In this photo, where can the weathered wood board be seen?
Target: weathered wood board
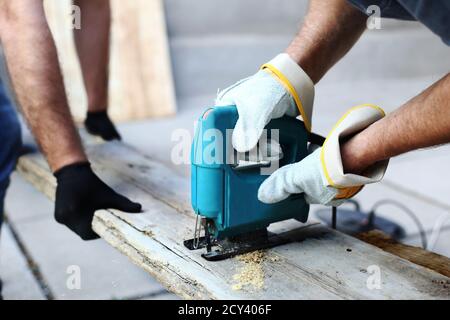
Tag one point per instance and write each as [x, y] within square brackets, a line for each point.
[319, 263]
[140, 79]
[416, 255]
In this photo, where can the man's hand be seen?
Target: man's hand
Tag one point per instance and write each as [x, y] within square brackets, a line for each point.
[92, 42]
[80, 193]
[321, 176]
[98, 123]
[285, 86]
[33, 65]
[280, 88]
[421, 122]
[301, 177]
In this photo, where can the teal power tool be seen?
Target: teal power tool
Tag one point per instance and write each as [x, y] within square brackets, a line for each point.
[225, 185]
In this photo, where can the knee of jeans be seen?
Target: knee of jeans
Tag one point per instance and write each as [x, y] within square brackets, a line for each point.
[14, 136]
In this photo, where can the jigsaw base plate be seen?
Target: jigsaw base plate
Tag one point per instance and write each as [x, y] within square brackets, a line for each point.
[217, 250]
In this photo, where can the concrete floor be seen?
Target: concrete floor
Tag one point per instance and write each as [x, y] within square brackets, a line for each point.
[38, 256]
[387, 67]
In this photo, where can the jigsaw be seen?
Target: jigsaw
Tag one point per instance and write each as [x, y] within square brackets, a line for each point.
[225, 184]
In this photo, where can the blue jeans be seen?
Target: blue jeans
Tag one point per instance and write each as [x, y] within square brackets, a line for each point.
[10, 143]
[435, 14]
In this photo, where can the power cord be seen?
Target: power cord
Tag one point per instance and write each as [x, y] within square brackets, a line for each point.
[437, 230]
[355, 220]
[406, 210]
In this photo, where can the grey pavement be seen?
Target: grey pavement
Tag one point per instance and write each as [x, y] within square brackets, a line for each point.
[18, 279]
[213, 46]
[56, 252]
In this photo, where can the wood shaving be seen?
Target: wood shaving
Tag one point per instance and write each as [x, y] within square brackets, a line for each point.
[274, 259]
[251, 274]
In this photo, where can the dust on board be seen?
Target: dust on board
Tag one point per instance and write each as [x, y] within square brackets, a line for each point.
[251, 274]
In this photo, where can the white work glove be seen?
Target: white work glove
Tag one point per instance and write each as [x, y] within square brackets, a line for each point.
[320, 176]
[280, 88]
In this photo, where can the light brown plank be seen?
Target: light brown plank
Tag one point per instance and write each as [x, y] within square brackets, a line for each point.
[416, 255]
[141, 84]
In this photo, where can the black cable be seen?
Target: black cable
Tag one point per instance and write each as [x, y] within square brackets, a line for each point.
[355, 203]
[408, 212]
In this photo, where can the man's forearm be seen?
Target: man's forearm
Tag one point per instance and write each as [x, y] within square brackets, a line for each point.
[422, 122]
[92, 43]
[328, 32]
[33, 65]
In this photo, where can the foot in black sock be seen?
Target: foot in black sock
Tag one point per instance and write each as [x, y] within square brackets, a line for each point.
[99, 124]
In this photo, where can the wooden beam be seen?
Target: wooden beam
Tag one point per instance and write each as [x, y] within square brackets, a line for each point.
[416, 255]
[141, 84]
[318, 263]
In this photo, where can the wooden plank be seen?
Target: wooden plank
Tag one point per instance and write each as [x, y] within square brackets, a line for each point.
[140, 81]
[416, 255]
[319, 263]
[143, 85]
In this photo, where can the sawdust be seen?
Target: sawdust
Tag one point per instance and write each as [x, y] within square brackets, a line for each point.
[251, 274]
[274, 259]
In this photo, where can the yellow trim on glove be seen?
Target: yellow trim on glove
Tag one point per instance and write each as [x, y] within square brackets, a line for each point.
[322, 152]
[290, 88]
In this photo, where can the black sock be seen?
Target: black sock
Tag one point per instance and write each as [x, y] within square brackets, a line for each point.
[99, 124]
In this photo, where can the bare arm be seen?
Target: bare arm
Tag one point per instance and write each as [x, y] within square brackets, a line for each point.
[422, 122]
[329, 31]
[33, 65]
[92, 44]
